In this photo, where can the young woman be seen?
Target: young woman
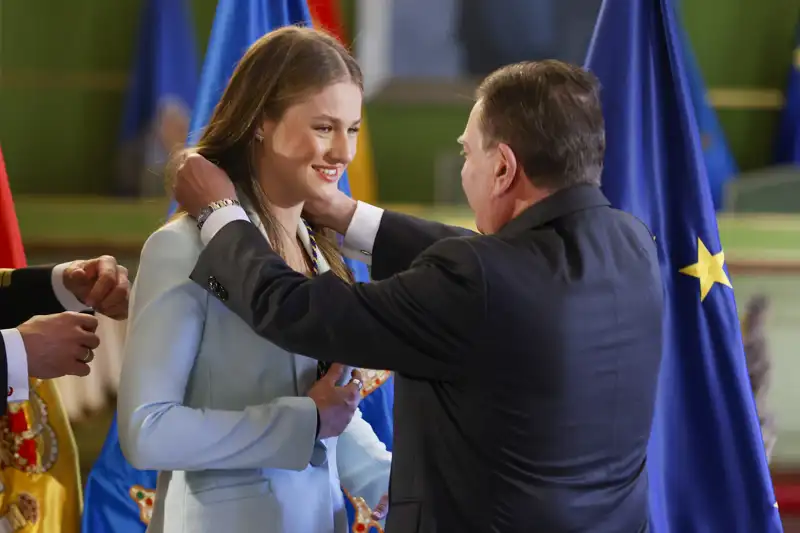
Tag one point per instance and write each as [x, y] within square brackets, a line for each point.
[221, 412]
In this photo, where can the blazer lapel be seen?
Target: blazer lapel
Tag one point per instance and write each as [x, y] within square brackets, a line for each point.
[305, 369]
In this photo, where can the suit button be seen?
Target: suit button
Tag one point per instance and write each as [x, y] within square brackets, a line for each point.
[217, 289]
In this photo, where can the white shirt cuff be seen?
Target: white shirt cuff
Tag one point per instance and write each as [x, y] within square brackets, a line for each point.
[68, 300]
[17, 363]
[360, 236]
[218, 219]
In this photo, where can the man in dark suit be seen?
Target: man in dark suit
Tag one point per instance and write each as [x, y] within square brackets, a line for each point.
[526, 357]
[61, 341]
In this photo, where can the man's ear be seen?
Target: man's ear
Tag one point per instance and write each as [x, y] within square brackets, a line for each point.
[505, 169]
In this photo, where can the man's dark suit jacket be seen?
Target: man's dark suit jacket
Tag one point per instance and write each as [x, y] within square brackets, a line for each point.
[527, 360]
[24, 292]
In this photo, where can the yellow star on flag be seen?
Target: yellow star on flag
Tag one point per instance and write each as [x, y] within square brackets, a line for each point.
[708, 269]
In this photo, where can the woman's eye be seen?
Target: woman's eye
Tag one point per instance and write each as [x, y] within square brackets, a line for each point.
[324, 129]
[354, 131]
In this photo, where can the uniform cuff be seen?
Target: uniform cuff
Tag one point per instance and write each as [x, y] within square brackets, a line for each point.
[218, 219]
[17, 361]
[360, 236]
[67, 300]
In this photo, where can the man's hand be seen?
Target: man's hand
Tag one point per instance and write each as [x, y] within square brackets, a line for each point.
[331, 208]
[382, 509]
[336, 405]
[199, 182]
[100, 283]
[60, 344]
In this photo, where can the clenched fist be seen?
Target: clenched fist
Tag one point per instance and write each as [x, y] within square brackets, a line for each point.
[100, 283]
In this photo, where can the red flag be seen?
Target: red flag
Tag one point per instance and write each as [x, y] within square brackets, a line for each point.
[12, 254]
[327, 15]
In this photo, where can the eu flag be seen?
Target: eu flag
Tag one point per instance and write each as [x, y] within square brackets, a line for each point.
[720, 164]
[706, 460]
[160, 98]
[788, 141]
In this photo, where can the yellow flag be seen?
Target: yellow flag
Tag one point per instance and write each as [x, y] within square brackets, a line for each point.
[361, 172]
[40, 477]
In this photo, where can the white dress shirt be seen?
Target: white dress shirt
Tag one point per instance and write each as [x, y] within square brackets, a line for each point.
[358, 239]
[16, 356]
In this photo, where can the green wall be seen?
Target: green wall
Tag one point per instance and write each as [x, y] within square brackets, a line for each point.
[744, 44]
[63, 77]
[63, 68]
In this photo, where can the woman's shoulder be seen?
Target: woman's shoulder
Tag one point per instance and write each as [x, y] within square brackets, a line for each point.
[178, 239]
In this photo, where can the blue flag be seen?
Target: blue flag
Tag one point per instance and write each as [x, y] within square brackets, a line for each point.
[160, 98]
[706, 460]
[720, 164]
[788, 141]
[118, 497]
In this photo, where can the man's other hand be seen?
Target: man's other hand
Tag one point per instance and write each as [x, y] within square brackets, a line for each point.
[60, 344]
[100, 283]
[199, 182]
[331, 208]
[382, 509]
[336, 405]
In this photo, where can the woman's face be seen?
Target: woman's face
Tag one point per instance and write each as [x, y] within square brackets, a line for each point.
[312, 144]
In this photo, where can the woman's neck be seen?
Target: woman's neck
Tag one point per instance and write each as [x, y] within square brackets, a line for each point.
[285, 210]
[288, 218]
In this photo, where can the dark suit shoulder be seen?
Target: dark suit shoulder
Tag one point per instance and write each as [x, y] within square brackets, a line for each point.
[635, 223]
[456, 255]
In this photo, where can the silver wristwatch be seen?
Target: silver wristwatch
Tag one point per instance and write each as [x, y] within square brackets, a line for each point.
[213, 206]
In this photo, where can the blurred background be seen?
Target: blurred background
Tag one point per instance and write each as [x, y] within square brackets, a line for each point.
[94, 95]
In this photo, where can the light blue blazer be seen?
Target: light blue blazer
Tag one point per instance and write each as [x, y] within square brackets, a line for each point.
[222, 412]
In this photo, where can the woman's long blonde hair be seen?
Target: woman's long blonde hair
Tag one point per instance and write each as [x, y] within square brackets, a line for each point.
[281, 68]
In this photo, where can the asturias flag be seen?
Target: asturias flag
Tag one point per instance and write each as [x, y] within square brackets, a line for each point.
[706, 460]
[160, 98]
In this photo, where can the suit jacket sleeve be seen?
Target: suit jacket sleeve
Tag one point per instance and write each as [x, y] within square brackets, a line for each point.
[401, 238]
[419, 323]
[26, 292]
[364, 462]
[158, 432]
[3, 377]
